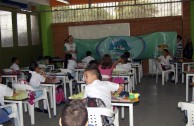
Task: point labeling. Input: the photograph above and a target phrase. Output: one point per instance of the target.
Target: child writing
(15, 62)
(70, 64)
(99, 89)
(88, 57)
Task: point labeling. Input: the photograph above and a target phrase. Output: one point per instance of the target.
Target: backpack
(60, 95)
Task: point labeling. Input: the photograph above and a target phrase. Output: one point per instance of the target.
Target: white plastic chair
(27, 87)
(14, 113)
(94, 115)
(70, 82)
(165, 73)
(189, 107)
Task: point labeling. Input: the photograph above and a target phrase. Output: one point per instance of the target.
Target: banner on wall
(140, 47)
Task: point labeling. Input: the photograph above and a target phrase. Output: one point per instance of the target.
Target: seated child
(74, 113)
(70, 64)
(106, 67)
(35, 78)
(88, 57)
(15, 62)
(5, 91)
(123, 63)
(128, 56)
(165, 60)
(99, 89)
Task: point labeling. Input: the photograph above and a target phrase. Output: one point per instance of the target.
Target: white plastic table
(183, 66)
(188, 74)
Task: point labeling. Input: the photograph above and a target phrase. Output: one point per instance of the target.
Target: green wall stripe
(46, 33)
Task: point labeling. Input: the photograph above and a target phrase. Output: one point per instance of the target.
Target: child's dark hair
(127, 54)
(88, 53)
(93, 63)
(74, 113)
(67, 57)
(166, 50)
(14, 59)
(125, 58)
(106, 62)
(32, 67)
(95, 71)
(179, 37)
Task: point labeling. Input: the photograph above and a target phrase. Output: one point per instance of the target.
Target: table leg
(187, 87)
(130, 114)
(54, 100)
(21, 113)
(182, 72)
(122, 112)
(139, 74)
(64, 86)
(51, 96)
(176, 65)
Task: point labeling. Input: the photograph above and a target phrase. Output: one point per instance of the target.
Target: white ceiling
(34, 2)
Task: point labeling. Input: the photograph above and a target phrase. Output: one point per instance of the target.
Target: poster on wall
(99, 31)
(148, 46)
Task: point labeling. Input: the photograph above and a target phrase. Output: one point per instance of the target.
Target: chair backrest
(83, 87)
(158, 65)
(23, 87)
(189, 107)
(65, 71)
(95, 113)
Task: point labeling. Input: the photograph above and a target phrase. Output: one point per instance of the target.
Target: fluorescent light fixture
(63, 1)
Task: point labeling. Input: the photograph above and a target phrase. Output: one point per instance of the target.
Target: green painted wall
(25, 53)
(46, 32)
(192, 23)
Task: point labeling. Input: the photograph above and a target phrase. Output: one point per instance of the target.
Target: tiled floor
(157, 106)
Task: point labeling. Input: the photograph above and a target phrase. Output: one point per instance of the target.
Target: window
(116, 10)
(34, 30)
(6, 29)
(22, 29)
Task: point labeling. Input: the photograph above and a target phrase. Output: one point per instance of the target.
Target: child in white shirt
(5, 91)
(99, 89)
(35, 78)
(70, 64)
(165, 59)
(88, 58)
(123, 63)
(15, 62)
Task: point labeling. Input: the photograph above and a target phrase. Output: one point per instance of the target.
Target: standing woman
(70, 47)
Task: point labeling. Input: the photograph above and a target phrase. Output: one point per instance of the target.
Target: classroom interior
(34, 28)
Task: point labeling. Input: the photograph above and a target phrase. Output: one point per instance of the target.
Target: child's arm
(119, 90)
(116, 62)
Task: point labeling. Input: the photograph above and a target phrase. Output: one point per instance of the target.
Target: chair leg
(156, 76)
(163, 75)
(122, 112)
(70, 87)
(193, 93)
(78, 87)
(48, 107)
(32, 114)
(25, 107)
